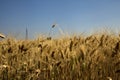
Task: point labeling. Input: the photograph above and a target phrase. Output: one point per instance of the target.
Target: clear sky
(73, 16)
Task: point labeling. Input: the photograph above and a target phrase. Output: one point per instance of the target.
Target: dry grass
(96, 57)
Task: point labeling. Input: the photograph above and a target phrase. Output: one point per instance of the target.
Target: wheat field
(95, 57)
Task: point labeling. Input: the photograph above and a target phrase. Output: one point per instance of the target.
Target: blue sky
(73, 16)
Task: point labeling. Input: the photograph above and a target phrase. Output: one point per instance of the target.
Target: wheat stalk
(109, 78)
(54, 25)
(2, 36)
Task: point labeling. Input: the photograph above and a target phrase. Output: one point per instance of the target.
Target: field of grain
(96, 57)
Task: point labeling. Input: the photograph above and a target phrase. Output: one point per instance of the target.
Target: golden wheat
(2, 36)
(70, 58)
